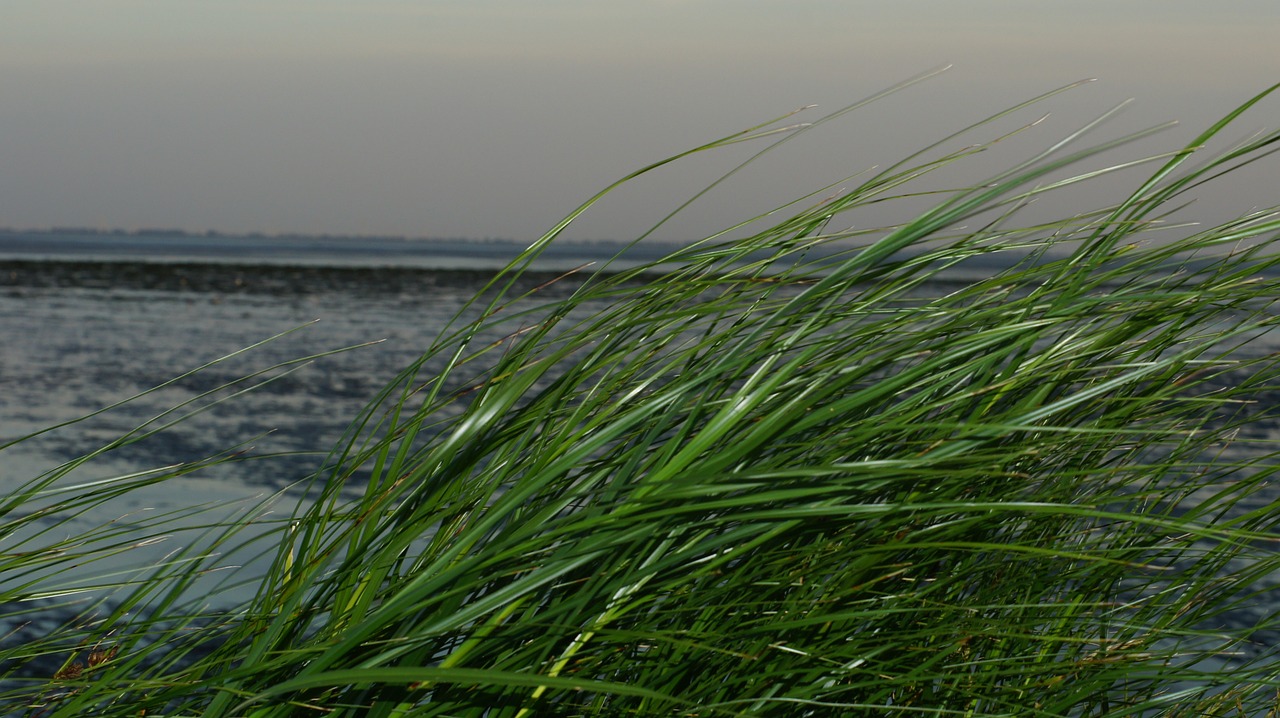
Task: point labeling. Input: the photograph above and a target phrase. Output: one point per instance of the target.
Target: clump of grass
(797, 473)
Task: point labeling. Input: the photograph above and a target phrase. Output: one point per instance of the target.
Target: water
(70, 351)
(78, 337)
(81, 337)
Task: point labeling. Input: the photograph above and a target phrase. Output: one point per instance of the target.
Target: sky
(495, 118)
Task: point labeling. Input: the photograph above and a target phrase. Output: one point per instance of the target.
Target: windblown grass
(790, 474)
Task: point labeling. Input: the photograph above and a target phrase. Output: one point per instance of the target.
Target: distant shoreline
(234, 278)
(154, 246)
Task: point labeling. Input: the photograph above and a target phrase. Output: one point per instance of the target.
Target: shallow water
(74, 351)
(81, 337)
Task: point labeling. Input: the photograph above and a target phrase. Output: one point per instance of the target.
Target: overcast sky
(497, 117)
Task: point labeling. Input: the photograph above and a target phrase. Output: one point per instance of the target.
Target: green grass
(787, 473)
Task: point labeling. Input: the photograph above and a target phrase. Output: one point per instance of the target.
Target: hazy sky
(497, 117)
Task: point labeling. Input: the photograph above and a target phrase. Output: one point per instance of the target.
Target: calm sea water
(79, 337)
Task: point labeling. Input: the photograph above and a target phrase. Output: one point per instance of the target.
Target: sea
(103, 335)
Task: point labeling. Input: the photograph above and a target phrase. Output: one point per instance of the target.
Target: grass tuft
(804, 471)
